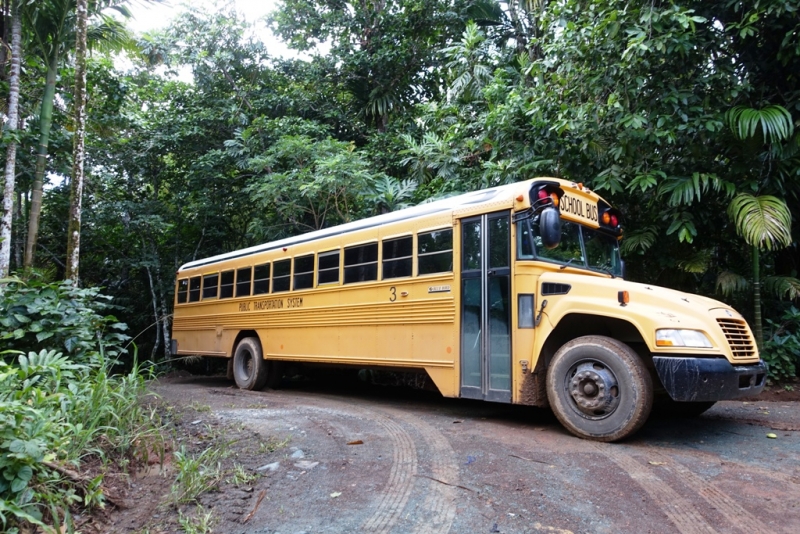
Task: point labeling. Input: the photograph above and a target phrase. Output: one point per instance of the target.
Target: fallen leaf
(335, 494)
(355, 442)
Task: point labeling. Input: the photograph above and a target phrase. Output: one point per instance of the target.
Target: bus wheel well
(240, 336)
(576, 325)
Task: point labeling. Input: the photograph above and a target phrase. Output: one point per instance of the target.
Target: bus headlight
(682, 338)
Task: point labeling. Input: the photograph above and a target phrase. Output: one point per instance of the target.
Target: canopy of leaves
(679, 112)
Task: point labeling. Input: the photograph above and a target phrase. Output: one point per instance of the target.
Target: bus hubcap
(594, 389)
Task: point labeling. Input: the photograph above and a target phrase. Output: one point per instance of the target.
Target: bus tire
(599, 388)
(249, 366)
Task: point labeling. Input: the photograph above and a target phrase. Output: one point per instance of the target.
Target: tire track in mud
(683, 514)
(734, 513)
(401, 477)
(441, 493)
(438, 504)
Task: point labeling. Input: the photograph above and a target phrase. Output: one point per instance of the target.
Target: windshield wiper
(607, 270)
(567, 264)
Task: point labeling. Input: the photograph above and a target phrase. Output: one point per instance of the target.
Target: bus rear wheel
(249, 366)
(599, 388)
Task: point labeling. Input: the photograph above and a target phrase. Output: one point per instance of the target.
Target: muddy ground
(351, 458)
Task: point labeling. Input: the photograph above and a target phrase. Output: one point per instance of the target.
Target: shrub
(36, 315)
(61, 407)
(782, 347)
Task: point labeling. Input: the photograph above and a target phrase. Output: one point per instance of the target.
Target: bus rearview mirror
(550, 227)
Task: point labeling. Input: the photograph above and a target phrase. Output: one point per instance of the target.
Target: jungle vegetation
(160, 148)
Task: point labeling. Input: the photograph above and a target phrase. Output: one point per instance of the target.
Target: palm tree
(764, 222)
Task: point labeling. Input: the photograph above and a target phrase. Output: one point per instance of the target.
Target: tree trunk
(154, 301)
(165, 317)
(11, 152)
(19, 240)
(45, 123)
(78, 152)
(757, 298)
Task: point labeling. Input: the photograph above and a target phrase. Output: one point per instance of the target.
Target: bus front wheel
(249, 366)
(599, 389)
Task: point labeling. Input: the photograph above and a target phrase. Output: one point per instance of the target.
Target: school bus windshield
(580, 246)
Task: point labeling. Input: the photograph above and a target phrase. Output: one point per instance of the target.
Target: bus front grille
(739, 337)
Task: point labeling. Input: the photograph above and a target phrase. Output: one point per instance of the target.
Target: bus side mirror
(550, 227)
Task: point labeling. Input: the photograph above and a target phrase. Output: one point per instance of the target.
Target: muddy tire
(599, 389)
(249, 367)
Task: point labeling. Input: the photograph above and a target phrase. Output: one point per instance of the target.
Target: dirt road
(392, 460)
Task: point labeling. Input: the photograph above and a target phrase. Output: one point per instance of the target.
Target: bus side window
(328, 269)
(361, 263)
(194, 289)
(281, 275)
(243, 278)
(226, 285)
(304, 272)
(261, 279)
(435, 252)
(183, 290)
(210, 285)
(397, 257)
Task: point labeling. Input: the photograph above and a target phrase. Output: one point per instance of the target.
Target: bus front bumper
(688, 379)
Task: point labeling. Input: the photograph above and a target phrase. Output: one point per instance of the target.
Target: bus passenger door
(486, 307)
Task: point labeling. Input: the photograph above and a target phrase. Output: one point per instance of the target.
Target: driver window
(524, 241)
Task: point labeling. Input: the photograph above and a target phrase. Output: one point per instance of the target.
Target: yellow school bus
(514, 294)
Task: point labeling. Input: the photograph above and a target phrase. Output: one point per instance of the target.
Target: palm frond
(783, 287)
(640, 240)
(107, 34)
(697, 263)
(775, 122)
(685, 190)
(763, 221)
(729, 283)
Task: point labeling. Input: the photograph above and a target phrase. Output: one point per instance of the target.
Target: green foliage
(775, 122)
(197, 474)
(729, 283)
(389, 194)
(311, 183)
(384, 55)
(58, 408)
(782, 346)
(763, 221)
(53, 413)
(783, 287)
(200, 523)
(35, 315)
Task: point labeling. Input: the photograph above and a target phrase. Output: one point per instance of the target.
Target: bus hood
(649, 308)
